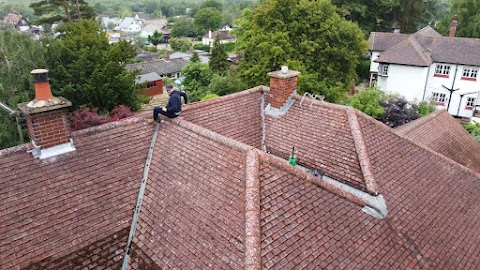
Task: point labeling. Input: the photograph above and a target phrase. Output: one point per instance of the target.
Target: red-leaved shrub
(86, 117)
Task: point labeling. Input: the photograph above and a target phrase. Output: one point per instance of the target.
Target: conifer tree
(218, 62)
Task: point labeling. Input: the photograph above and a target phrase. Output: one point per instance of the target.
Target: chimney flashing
(277, 112)
(53, 151)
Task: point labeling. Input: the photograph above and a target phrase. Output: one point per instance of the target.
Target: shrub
(474, 129)
(209, 96)
(180, 44)
(85, 117)
(398, 111)
(202, 47)
(229, 47)
(363, 69)
(425, 108)
(368, 101)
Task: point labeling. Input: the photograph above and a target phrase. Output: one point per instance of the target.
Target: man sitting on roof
(174, 106)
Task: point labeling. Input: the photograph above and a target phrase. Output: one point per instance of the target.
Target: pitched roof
(213, 199)
(160, 66)
(149, 77)
(424, 47)
(443, 134)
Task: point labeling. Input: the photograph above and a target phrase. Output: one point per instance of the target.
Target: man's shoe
(151, 122)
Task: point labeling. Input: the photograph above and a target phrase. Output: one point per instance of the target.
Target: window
(383, 69)
(152, 84)
(438, 97)
(470, 102)
(470, 73)
(442, 71)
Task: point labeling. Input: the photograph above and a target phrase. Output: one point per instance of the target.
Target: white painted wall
(374, 65)
(408, 81)
(467, 88)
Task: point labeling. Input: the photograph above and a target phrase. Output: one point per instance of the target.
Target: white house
(209, 38)
(426, 66)
(130, 24)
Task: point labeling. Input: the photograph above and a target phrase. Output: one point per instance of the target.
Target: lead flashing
(278, 112)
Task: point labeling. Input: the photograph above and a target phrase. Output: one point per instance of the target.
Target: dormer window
(442, 71)
(383, 70)
(470, 73)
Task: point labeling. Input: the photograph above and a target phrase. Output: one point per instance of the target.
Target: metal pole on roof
(16, 114)
(141, 192)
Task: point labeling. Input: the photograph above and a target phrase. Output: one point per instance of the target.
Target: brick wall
(49, 128)
(280, 90)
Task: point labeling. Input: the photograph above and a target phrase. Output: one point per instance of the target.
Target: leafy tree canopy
(227, 84)
(208, 19)
(368, 101)
(19, 55)
(308, 36)
(212, 4)
(468, 12)
(87, 70)
(156, 38)
(180, 44)
(183, 27)
(218, 62)
(50, 11)
(197, 77)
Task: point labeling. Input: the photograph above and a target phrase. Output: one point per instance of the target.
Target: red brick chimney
(453, 26)
(282, 84)
(47, 120)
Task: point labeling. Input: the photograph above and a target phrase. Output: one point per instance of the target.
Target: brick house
(212, 189)
(425, 66)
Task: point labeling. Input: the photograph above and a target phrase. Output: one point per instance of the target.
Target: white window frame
(442, 70)
(439, 97)
(470, 72)
(383, 70)
(470, 102)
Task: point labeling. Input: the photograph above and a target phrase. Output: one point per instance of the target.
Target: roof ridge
(196, 105)
(212, 135)
(280, 163)
(408, 127)
(362, 153)
(253, 243)
(322, 103)
(111, 125)
(420, 50)
(404, 137)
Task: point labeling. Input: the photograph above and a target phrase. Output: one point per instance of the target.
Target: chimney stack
(166, 56)
(283, 83)
(46, 117)
(453, 26)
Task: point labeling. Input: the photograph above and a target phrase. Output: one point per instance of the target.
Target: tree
(195, 57)
(51, 11)
(156, 38)
(308, 36)
(368, 101)
(183, 27)
(218, 62)
(197, 77)
(212, 4)
(87, 70)
(180, 44)
(208, 19)
(224, 85)
(468, 19)
(19, 55)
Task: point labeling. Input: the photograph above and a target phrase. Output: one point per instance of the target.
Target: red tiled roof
(214, 200)
(443, 134)
(50, 209)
